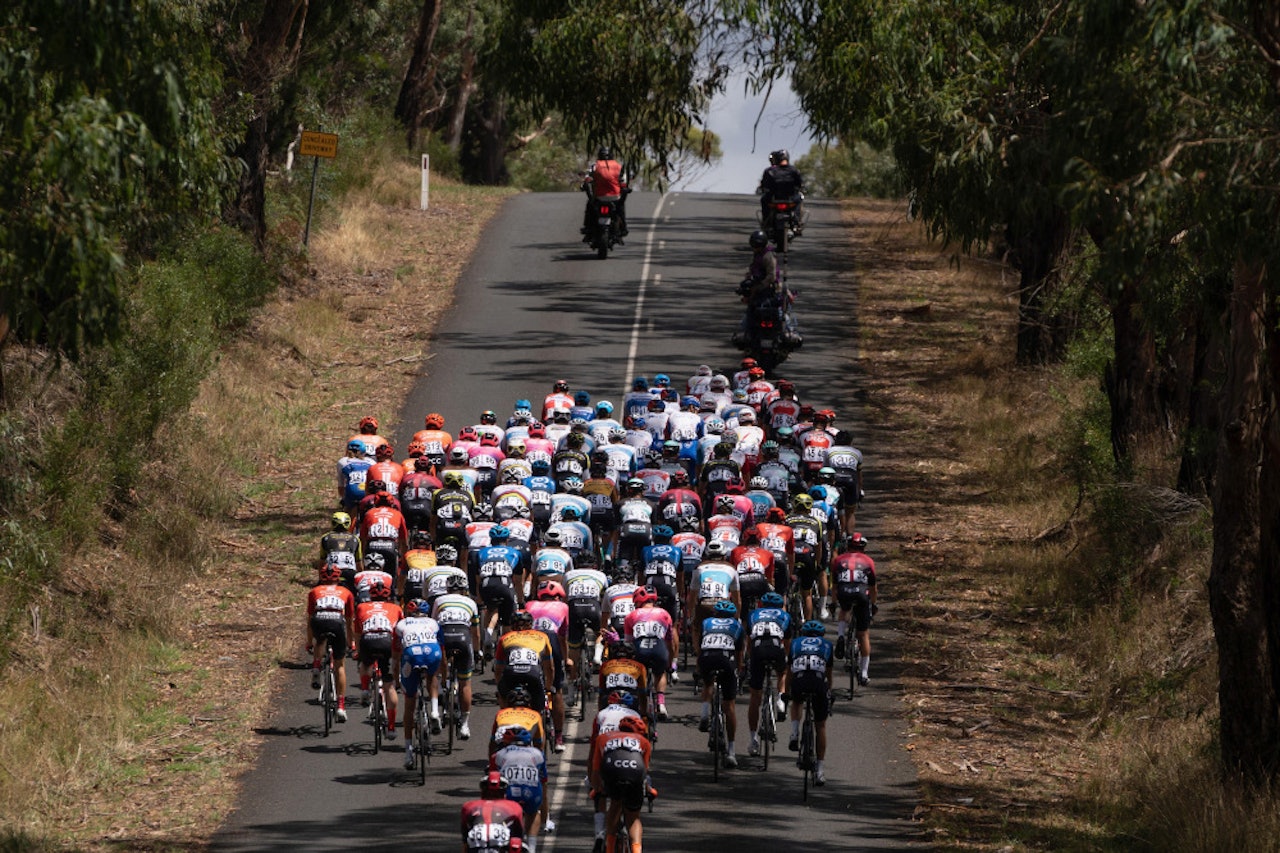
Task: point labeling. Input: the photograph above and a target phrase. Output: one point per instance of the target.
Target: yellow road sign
(317, 144)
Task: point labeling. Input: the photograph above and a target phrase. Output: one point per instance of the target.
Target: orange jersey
(331, 598)
(514, 647)
(623, 674)
(434, 442)
(375, 618)
(390, 473)
(373, 442)
(384, 525)
(612, 741)
(516, 718)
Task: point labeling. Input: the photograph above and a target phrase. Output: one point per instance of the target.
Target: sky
(731, 117)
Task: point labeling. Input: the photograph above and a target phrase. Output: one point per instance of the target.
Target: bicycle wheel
(421, 732)
(717, 732)
(452, 709)
(375, 685)
(328, 693)
(808, 748)
(768, 720)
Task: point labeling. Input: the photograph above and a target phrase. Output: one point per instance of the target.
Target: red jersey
(606, 178)
(390, 473)
(558, 400)
(330, 601)
(752, 561)
(493, 825)
(419, 486)
(783, 413)
(614, 741)
(383, 527)
(778, 538)
(377, 618)
(813, 448)
(854, 568)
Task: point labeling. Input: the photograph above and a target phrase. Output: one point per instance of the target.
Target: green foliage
(848, 171)
(109, 139)
(549, 163)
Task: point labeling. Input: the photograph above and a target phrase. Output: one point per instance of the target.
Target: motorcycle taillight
(782, 206)
(766, 324)
(604, 210)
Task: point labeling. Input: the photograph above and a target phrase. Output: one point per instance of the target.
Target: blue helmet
(582, 398)
(771, 599)
(355, 445)
(540, 466)
(569, 513)
(518, 735)
(499, 533)
(726, 608)
(523, 404)
(604, 406)
(662, 533)
(818, 493)
(661, 379)
(640, 384)
(813, 628)
(686, 402)
(622, 697)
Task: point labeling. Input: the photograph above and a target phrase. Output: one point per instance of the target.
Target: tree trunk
(486, 164)
(1196, 471)
(466, 83)
(268, 57)
(412, 105)
(1129, 378)
(1036, 251)
(1242, 572)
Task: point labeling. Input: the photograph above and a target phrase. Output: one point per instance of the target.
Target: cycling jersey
(525, 769)
(492, 825)
(516, 718)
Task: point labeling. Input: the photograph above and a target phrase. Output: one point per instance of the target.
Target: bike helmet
(454, 480)
(817, 493)
(551, 538)
(446, 555)
(680, 478)
(779, 157)
(724, 503)
(511, 476)
(644, 595)
(604, 153)
(518, 736)
(488, 440)
(756, 373)
(604, 409)
(635, 486)
(570, 513)
(747, 416)
(621, 648)
(493, 786)
(384, 451)
(714, 426)
(540, 467)
(521, 620)
(734, 486)
(575, 440)
(340, 521)
(455, 583)
(617, 434)
(725, 609)
(373, 487)
(858, 541)
(690, 403)
(368, 425)
(499, 533)
(802, 502)
(379, 591)
(716, 549)
(670, 444)
(537, 430)
(458, 455)
(825, 416)
(662, 380)
(561, 386)
(633, 726)
(417, 607)
(550, 591)
(355, 445)
(330, 573)
(435, 420)
(662, 534)
(813, 628)
(420, 539)
(784, 433)
(625, 698)
(758, 483)
(758, 239)
(723, 449)
(775, 514)
(771, 599)
(488, 417)
(422, 464)
(826, 474)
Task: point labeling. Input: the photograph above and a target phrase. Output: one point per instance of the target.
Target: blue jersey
(352, 472)
(720, 635)
(525, 769)
(662, 562)
(810, 659)
(587, 413)
(496, 564)
(769, 623)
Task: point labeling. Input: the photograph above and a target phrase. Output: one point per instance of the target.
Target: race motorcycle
(769, 331)
(602, 229)
(782, 222)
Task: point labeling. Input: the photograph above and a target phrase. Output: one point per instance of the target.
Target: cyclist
(524, 657)
(720, 654)
(775, 535)
(419, 560)
(492, 824)
(808, 548)
(417, 647)
(550, 561)
(584, 589)
(435, 442)
(488, 425)
(541, 486)
(855, 578)
(371, 573)
(416, 491)
(559, 398)
(452, 508)
(845, 460)
(621, 671)
(575, 535)
(387, 469)
(331, 621)
(618, 600)
(650, 629)
(769, 629)
(620, 704)
(714, 581)
(383, 531)
(602, 492)
(697, 384)
(484, 459)
(435, 580)
(719, 470)
(662, 563)
(499, 580)
(517, 715)
(726, 525)
(755, 566)
(570, 460)
(340, 546)
(551, 616)
(635, 515)
(524, 767)
(459, 621)
(621, 773)
(680, 507)
(810, 664)
(375, 626)
(762, 500)
(353, 472)
(780, 480)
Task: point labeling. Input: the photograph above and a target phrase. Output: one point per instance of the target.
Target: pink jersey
(646, 626)
(550, 616)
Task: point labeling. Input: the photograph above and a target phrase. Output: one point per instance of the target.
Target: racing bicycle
(422, 722)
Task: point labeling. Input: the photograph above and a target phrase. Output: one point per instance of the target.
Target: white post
(426, 181)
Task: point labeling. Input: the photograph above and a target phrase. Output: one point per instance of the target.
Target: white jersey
(585, 584)
(417, 631)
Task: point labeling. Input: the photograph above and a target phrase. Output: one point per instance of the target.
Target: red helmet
(330, 573)
(493, 786)
(824, 414)
(756, 373)
(857, 540)
(633, 725)
(561, 385)
(488, 439)
(368, 424)
(422, 463)
(537, 430)
(644, 595)
(734, 486)
(550, 591)
(384, 451)
(435, 420)
(379, 591)
(680, 478)
(786, 385)
(775, 514)
(468, 434)
(748, 363)
(374, 486)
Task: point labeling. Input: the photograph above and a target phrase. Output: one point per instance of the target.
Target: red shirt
(384, 524)
(753, 560)
(494, 823)
(606, 178)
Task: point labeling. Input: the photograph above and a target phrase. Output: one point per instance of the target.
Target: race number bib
(713, 589)
(718, 642)
(522, 656)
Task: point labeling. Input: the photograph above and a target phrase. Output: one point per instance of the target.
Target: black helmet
(780, 156)
(604, 153)
(758, 239)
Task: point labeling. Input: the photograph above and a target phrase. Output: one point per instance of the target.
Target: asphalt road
(533, 306)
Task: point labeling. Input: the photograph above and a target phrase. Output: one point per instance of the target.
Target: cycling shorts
(766, 653)
(456, 640)
(625, 777)
(808, 571)
(848, 494)
(376, 647)
(557, 658)
(814, 685)
(751, 587)
(721, 667)
(427, 655)
(582, 610)
(334, 631)
(500, 596)
(603, 520)
(854, 597)
(653, 653)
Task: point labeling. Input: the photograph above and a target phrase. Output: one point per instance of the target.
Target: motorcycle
(782, 222)
(769, 331)
(602, 228)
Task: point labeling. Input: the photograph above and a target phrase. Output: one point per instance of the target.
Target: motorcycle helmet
(758, 239)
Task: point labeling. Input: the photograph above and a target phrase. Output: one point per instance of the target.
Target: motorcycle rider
(763, 287)
(605, 182)
(782, 182)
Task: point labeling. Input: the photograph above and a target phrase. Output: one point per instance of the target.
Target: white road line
(548, 842)
(644, 282)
